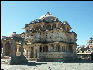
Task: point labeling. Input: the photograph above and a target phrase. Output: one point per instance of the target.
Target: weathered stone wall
(42, 26)
(53, 36)
(55, 56)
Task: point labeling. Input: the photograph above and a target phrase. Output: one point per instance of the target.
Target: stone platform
(18, 60)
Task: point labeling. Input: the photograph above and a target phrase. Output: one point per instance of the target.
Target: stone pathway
(50, 66)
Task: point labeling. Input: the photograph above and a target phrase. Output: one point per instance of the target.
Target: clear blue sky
(15, 14)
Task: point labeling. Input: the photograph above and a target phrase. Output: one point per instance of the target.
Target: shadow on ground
(35, 63)
(79, 61)
(32, 63)
(74, 61)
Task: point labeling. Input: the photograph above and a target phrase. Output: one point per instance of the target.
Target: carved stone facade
(86, 51)
(47, 39)
(88, 48)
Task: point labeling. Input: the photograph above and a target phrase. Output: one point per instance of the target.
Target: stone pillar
(54, 48)
(3, 53)
(63, 49)
(38, 52)
(34, 52)
(2, 50)
(74, 49)
(42, 49)
(17, 52)
(67, 48)
(57, 25)
(13, 48)
(60, 48)
(17, 48)
(25, 52)
(49, 48)
(21, 48)
(51, 26)
(29, 53)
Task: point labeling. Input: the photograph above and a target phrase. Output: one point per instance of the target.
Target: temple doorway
(32, 52)
(8, 49)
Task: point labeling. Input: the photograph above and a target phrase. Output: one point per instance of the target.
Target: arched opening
(70, 48)
(7, 49)
(54, 25)
(32, 52)
(58, 48)
(68, 29)
(43, 49)
(40, 49)
(92, 56)
(46, 49)
(49, 26)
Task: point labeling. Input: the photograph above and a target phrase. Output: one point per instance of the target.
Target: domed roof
(48, 17)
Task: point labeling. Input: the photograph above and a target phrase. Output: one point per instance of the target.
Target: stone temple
(44, 39)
